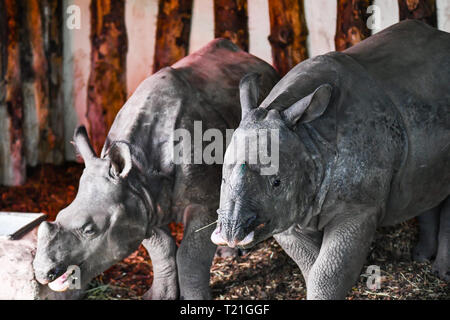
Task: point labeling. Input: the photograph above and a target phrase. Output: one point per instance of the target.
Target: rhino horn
(249, 92)
(83, 145)
(45, 230)
(310, 107)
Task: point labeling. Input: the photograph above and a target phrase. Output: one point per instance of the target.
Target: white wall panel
(202, 24)
(76, 68)
(388, 13)
(321, 21)
(443, 14)
(140, 20)
(259, 29)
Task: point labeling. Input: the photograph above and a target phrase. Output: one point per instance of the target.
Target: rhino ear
(83, 145)
(120, 155)
(249, 92)
(310, 107)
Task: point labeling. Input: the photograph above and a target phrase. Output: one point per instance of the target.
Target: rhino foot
(426, 248)
(441, 266)
(424, 251)
(441, 269)
(161, 291)
(162, 249)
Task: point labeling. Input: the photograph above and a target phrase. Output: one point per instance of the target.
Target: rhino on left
(129, 194)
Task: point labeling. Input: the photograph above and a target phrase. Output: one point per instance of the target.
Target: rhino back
(410, 61)
(214, 72)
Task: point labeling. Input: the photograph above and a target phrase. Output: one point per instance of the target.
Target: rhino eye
(276, 183)
(89, 230)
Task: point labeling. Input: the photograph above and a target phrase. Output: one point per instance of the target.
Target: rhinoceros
(129, 194)
(363, 141)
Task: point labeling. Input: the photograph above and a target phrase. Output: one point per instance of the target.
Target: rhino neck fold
(323, 154)
(139, 183)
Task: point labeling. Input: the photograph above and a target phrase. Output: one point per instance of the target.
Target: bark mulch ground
(265, 272)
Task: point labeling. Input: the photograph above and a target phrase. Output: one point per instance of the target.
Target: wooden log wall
(288, 33)
(172, 32)
(31, 43)
(231, 21)
(107, 81)
(351, 26)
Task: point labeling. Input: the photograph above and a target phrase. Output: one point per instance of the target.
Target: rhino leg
(195, 254)
(426, 248)
(441, 265)
(162, 250)
(344, 249)
(302, 246)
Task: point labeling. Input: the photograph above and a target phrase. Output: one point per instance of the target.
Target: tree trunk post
(231, 21)
(12, 151)
(172, 32)
(54, 52)
(288, 32)
(43, 28)
(423, 10)
(107, 80)
(351, 24)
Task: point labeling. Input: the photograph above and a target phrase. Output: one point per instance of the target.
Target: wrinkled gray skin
(364, 142)
(131, 193)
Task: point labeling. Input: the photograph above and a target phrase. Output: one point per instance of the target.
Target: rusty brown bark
(231, 21)
(3, 45)
(172, 32)
(351, 24)
(424, 10)
(12, 151)
(44, 33)
(54, 52)
(107, 80)
(288, 33)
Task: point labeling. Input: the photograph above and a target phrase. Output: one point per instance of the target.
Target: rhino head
(105, 223)
(255, 206)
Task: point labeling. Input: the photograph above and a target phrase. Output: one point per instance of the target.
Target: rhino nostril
(51, 275)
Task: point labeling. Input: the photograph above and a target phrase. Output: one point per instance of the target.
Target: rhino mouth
(217, 239)
(62, 283)
(64, 280)
(251, 238)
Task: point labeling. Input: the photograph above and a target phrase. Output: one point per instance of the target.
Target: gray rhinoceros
(364, 141)
(129, 194)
